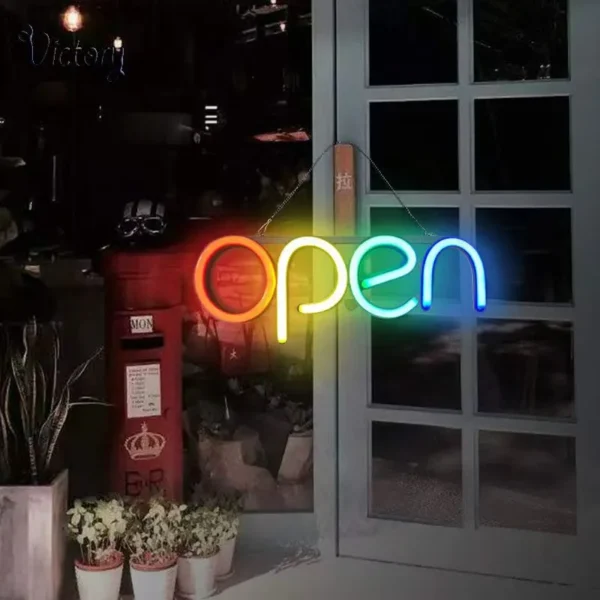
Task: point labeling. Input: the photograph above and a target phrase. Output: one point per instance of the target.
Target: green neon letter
(357, 287)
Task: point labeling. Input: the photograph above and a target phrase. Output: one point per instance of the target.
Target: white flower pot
(225, 559)
(153, 583)
(98, 583)
(196, 577)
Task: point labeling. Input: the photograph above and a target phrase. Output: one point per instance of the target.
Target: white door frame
(523, 554)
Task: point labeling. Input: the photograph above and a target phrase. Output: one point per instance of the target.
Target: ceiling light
(72, 19)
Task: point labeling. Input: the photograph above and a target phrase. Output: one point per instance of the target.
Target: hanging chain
(263, 228)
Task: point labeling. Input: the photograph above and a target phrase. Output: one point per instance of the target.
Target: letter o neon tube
(204, 263)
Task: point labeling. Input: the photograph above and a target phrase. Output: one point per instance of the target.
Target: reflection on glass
(527, 253)
(527, 482)
(522, 144)
(248, 399)
(412, 42)
(415, 361)
(416, 474)
(443, 222)
(516, 40)
(526, 367)
(415, 144)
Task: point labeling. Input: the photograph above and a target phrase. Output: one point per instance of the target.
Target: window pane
(248, 399)
(415, 144)
(527, 482)
(527, 253)
(416, 474)
(516, 40)
(415, 361)
(412, 42)
(522, 144)
(442, 222)
(526, 367)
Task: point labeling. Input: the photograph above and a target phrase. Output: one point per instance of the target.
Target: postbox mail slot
(144, 342)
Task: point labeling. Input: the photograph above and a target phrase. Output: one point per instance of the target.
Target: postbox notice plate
(141, 324)
(143, 390)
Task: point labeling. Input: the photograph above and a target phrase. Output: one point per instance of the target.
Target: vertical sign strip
(345, 190)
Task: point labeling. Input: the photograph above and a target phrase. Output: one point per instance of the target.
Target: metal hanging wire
(288, 198)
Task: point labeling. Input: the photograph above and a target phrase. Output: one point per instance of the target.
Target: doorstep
(297, 572)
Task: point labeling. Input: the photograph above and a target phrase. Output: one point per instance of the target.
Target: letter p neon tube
(282, 282)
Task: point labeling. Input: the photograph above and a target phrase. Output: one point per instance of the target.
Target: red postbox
(144, 357)
(148, 295)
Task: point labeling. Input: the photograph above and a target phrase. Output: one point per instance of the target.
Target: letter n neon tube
(476, 264)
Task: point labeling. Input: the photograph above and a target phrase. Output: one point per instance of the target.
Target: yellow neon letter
(282, 282)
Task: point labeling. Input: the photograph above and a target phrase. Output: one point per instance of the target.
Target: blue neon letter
(476, 263)
(357, 287)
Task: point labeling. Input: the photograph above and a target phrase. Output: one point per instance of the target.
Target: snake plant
(34, 406)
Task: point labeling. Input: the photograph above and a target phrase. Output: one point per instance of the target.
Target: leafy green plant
(154, 533)
(34, 406)
(202, 530)
(98, 526)
(228, 507)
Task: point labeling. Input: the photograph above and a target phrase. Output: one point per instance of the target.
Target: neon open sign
(276, 277)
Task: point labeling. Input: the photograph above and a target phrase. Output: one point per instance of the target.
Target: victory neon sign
(277, 277)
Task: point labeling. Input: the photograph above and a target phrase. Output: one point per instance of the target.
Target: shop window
(522, 144)
(416, 473)
(526, 368)
(518, 41)
(415, 144)
(412, 42)
(527, 252)
(396, 221)
(248, 398)
(527, 482)
(415, 361)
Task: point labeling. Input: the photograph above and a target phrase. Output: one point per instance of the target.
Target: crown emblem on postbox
(145, 445)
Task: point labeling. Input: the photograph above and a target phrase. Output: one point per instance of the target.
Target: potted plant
(34, 407)
(230, 514)
(153, 538)
(201, 533)
(228, 508)
(298, 455)
(98, 526)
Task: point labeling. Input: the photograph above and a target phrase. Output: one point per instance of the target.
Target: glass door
(470, 441)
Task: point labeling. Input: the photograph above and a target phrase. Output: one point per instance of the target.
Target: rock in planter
(232, 464)
(32, 540)
(297, 459)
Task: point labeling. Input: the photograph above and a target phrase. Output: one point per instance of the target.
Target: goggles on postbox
(142, 218)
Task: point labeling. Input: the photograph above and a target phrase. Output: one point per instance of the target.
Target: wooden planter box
(33, 540)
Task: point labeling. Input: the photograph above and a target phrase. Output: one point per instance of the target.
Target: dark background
(180, 56)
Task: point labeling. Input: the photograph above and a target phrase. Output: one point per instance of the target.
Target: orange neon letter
(203, 266)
